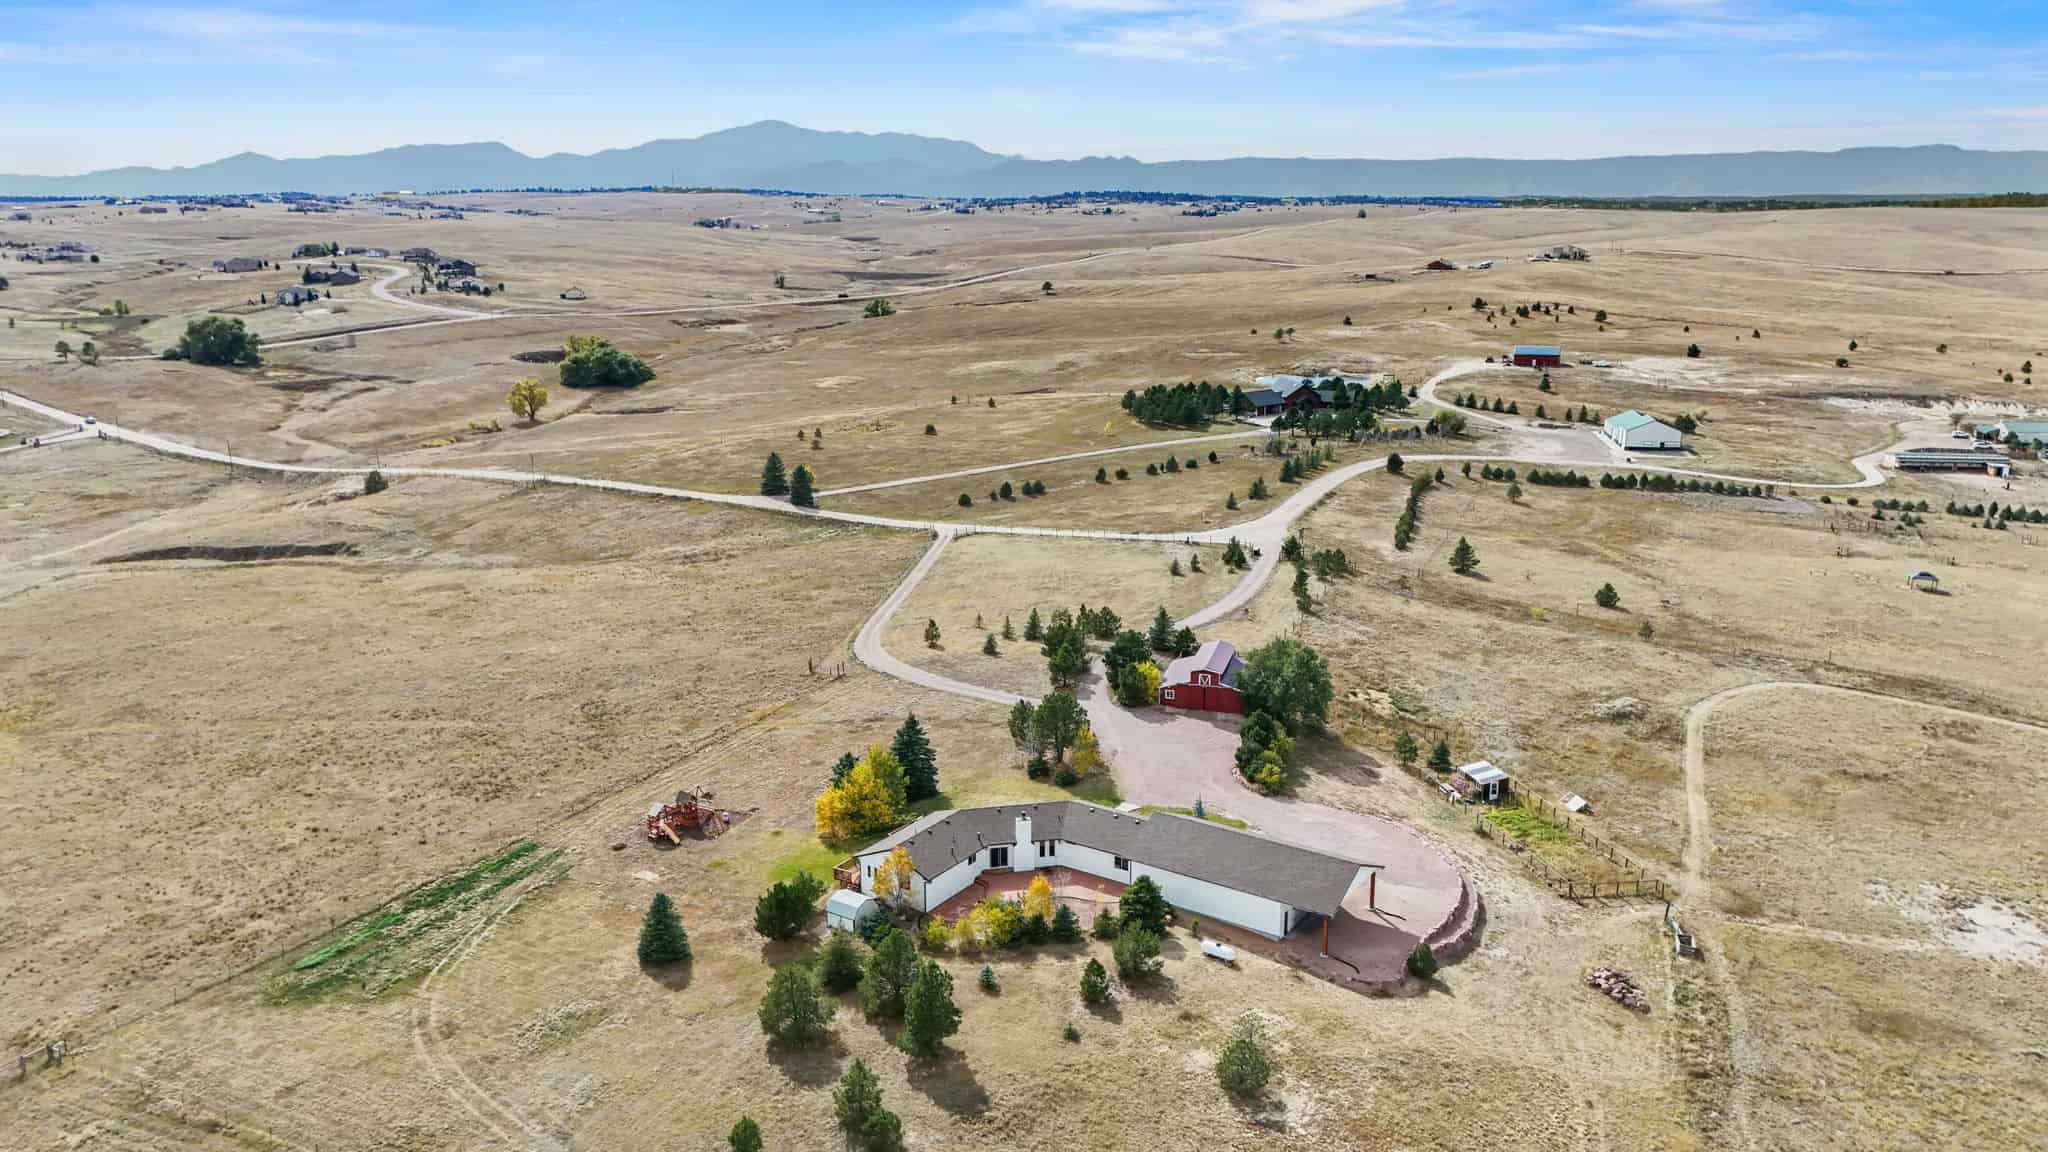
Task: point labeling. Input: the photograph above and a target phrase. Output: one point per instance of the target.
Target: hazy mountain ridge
(772, 154)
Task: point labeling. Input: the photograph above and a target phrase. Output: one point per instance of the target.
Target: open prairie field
(321, 818)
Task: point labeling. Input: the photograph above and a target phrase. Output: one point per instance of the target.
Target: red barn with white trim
(1206, 681)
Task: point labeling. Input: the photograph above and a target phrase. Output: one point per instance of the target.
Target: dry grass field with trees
(322, 818)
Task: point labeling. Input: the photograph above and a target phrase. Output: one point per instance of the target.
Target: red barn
(1206, 681)
(1536, 356)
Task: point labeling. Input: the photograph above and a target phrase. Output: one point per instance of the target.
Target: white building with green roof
(1640, 431)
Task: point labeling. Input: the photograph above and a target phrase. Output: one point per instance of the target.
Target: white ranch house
(1212, 871)
(1641, 431)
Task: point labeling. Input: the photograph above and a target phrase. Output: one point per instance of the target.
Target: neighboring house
(1536, 356)
(2025, 431)
(451, 269)
(238, 264)
(1284, 393)
(1480, 780)
(1214, 872)
(1640, 431)
(1953, 460)
(1206, 681)
(1441, 265)
(373, 253)
(340, 277)
(153, 210)
(418, 255)
(294, 296)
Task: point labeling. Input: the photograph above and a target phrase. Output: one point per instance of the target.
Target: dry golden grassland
(284, 741)
(208, 763)
(994, 577)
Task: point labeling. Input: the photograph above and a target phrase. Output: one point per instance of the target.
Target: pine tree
(800, 493)
(892, 965)
(1008, 633)
(988, 646)
(1231, 503)
(841, 767)
(774, 482)
(1394, 463)
(1173, 566)
(1094, 982)
(1160, 636)
(662, 939)
(929, 1014)
(1034, 630)
(1066, 927)
(1440, 756)
(1302, 600)
(745, 1136)
(839, 962)
(856, 1101)
(1405, 749)
(1142, 905)
(1243, 1067)
(931, 633)
(1607, 597)
(792, 1014)
(1464, 558)
(920, 763)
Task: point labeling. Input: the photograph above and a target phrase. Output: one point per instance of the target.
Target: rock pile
(1618, 987)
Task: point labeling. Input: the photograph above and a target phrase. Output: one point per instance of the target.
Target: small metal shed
(1485, 781)
(849, 909)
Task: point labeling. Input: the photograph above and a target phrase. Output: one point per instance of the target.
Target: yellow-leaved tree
(892, 878)
(867, 801)
(966, 934)
(1087, 754)
(1038, 898)
(1150, 672)
(527, 398)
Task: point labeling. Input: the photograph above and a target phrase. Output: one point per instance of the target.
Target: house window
(999, 857)
(1048, 847)
(1122, 865)
(974, 856)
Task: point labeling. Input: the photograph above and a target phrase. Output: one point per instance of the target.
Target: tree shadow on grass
(674, 977)
(1159, 988)
(811, 1067)
(801, 947)
(948, 1082)
(1109, 1011)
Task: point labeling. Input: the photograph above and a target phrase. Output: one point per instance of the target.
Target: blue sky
(91, 85)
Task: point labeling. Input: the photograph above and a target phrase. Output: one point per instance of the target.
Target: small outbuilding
(1481, 781)
(851, 909)
(1640, 431)
(1206, 681)
(1924, 581)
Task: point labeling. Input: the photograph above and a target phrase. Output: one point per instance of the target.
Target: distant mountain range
(772, 154)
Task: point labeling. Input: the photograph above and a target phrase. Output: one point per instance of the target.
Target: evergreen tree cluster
(1566, 479)
(1411, 515)
(1472, 400)
(1992, 513)
(1235, 558)
(1353, 409)
(1666, 482)
(1301, 465)
(1185, 405)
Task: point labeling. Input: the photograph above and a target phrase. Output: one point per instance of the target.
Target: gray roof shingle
(1245, 861)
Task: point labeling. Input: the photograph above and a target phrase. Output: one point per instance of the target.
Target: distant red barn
(1536, 356)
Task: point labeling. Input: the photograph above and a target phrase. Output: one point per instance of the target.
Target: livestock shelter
(1953, 460)
(1536, 356)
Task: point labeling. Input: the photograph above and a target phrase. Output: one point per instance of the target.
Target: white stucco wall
(1268, 918)
(952, 881)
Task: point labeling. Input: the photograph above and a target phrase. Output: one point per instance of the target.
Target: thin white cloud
(242, 25)
(1512, 70)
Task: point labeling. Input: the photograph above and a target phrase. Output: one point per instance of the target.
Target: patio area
(1084, 893)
